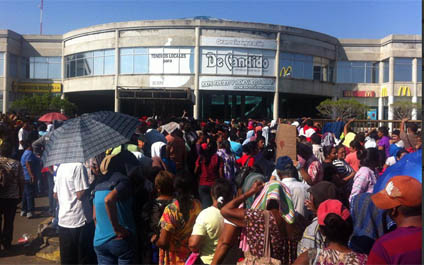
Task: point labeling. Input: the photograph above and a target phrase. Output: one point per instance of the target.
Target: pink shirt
(353, 161)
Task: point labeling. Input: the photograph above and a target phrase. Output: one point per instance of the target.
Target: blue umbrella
(409, 165)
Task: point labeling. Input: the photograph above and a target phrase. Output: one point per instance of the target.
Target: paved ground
(21, 254)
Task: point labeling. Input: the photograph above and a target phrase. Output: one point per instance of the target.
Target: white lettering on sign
(235, 83)
(238, 42)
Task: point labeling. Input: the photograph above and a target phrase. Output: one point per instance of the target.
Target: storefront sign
(238, 42)
(404, 91)
(37, 87)
(359, 94)
(372, 114)
(237, 83)
(384, 92)
(170, 61)
(169, 81)
(238, 62)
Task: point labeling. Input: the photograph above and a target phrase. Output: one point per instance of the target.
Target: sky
(339, 18)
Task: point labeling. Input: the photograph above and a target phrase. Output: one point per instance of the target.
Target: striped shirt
(402, 246)
(363, 181)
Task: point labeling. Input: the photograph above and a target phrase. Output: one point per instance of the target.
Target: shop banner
(170, 61)
(286, 141)
(237, 61)
(238, 42)
(237, 83)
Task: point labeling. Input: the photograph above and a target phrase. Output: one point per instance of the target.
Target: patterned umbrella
(82, 138)
(53, 116)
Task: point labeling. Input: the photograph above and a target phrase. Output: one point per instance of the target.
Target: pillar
(5, 73)
(390, 90)
(414, 86)
(116, 97)
(277, 80)
(196, 104)
(381, 99)
(380, 108)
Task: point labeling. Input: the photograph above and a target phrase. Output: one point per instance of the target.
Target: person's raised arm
(232, 213)
(402, 125)
(346, 127)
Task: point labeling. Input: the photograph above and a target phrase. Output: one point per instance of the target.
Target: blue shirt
(28, 156)
(104, 230)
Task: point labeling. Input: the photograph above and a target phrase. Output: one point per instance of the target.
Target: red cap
(399, 191)
(202, 124)
(250, 127)
(204, 146)
(331, 206)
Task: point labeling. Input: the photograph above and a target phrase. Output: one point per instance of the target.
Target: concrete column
(116, 97)
(277, 80)
(196, 106)
(390, 90)
(414, 86)
(5, 73)
(380, 108)
(381, 72)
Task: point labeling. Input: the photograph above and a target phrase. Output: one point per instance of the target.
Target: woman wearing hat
(336, 225)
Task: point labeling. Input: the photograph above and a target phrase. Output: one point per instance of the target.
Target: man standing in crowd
(23, 135)
(76, 227)
(402, 199)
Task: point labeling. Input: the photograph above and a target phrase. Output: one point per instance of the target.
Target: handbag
(242, 174)
(266, 259)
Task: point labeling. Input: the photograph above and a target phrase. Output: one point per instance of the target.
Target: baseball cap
(332, 206)
(399, 191)
(283, 162)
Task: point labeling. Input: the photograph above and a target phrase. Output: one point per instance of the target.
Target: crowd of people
(183, 191)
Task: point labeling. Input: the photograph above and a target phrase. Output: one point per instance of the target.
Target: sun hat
(331, 206)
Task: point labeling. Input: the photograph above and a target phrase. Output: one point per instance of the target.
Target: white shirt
(299, 194)
(370, 143)
(71, 178)
(390, 161)
(22, 136)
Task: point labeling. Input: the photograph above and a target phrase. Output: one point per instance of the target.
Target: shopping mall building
(211, 68)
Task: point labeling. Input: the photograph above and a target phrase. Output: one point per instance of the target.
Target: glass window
(386, 72)
(1, 63)
(296, 66)
(403, 69)
(101, 62)
(44, 67)
(13, 65)
(170, 60)
(357, 72)
(419, 70)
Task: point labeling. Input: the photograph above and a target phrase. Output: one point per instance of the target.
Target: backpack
(242, 174)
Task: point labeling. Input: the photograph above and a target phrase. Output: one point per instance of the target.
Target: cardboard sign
(286, 141)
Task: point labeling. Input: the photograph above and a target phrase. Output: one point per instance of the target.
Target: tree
(342, 108)
(403, 109)
(40, 104)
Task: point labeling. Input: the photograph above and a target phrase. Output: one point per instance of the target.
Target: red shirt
(210, 172)
(242, 160)
(401, 246)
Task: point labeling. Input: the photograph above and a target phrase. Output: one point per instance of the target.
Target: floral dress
(328, 256)
(172, 221)
(281, 248)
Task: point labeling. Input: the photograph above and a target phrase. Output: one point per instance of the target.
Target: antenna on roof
(41, 18)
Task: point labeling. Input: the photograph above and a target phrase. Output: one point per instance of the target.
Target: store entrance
(235, 105)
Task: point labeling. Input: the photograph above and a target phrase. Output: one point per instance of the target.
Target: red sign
(359, 94)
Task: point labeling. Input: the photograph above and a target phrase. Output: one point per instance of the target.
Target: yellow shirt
(209, 224)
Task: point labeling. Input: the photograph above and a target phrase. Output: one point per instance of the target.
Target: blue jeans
(116, 251)
(205, 196)
(28, 197)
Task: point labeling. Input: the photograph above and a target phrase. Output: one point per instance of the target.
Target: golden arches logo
(285, 71)
(404, 91)
(384, 92)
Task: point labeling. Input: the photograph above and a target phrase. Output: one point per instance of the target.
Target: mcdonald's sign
(383, 92)
(359, 94)
(404, 91)
(285, 71)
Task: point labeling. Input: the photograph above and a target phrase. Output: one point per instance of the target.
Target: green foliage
(403, 109)
(342, 108)
(39, 104)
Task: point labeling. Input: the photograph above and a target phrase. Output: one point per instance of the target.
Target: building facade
(210, 68)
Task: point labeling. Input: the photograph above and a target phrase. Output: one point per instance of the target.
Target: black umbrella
(82, 138)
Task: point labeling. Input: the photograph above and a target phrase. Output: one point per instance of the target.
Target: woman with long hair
(177, 223)
(366, 177)
(209, 166)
